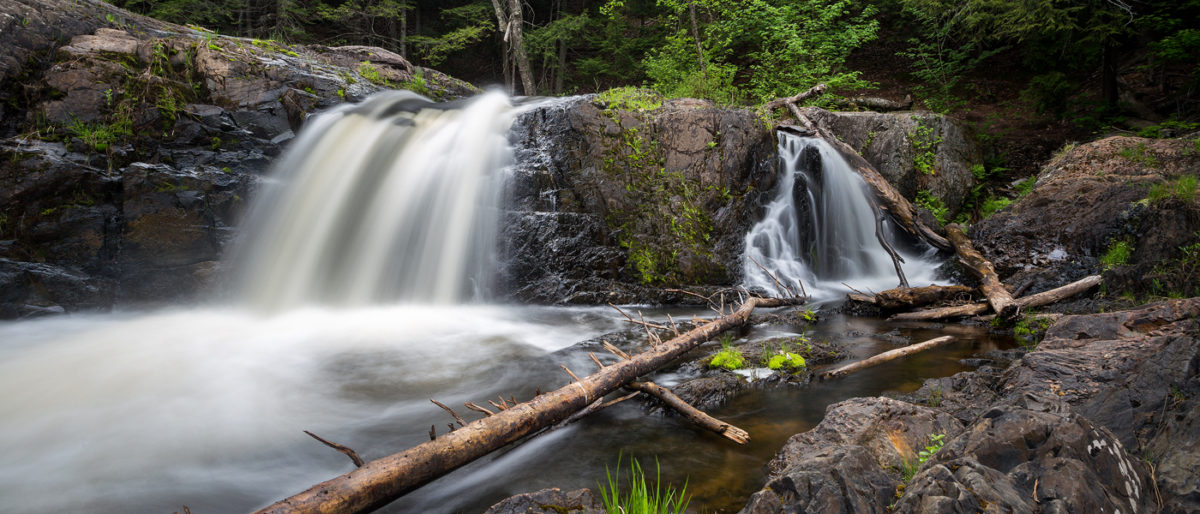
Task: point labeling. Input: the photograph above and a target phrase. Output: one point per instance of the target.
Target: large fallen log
(380, 481)
(913, 297)
(887, 356)
(989, 283)
(1025, 302)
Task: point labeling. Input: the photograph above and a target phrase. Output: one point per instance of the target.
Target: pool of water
(205, 407)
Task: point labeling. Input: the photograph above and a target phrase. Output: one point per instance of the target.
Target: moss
(1139, 154)
(630, 98)
(786, 361)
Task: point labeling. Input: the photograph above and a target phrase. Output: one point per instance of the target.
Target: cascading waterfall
(393, 199)
(820, 229)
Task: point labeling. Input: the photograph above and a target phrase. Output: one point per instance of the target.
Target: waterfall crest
(393, 199)
(819, 229)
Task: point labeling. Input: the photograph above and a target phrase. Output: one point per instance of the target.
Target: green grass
(1118, 254)
(1183, 188)
(641, 497)
(993, 205)
(1139, 154)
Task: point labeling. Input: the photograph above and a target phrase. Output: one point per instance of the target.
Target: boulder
(1097, 194)
(850, 462)
(550, 501)
(1031, 455)
(913, 151)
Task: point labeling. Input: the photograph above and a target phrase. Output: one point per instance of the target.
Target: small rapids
(819, 230)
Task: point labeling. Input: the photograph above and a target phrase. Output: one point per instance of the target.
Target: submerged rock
(550, 501)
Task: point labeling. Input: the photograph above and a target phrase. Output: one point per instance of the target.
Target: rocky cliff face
(130, 146)
(616, 199)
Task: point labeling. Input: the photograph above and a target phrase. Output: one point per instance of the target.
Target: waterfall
(819, 229)
(393, 199)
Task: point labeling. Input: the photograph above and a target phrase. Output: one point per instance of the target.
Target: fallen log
(887, 356)
(997, 295)
(782, 102)
(913, 297)
(696, 416)
(380, 481)
(875, 103)
(1025, 302)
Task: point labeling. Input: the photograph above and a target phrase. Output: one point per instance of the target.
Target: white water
(377, 204)
(839, 246)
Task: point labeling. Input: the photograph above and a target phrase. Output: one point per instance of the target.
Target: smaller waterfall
(393, 199)
(819, 229)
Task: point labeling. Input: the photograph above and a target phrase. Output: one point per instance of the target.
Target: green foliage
(274, 46)
(1025, 186)
(1139, 154)
(993, 205)
(1030, 329)
(465, 25)
(1178, 276)
(1118, 254)
(933, 204)
(1169, 128)
(729, 357)
(936, 441)
(809, 316)
(1182, 188)
(630, 98)
(924, 144)
(939, 59)
(1048, 93)
(786, 360)
(98, 136)
(418, 85)
(642, 497)
(368, 71)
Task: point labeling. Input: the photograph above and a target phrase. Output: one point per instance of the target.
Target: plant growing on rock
(729, 357)
(1118, 254)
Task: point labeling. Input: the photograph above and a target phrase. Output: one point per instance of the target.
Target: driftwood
(345, 450)
(693, 414)
(887, 356)
(783, 102)
(913, 297)
(380, 481)
(989, 283)
(1025, 302)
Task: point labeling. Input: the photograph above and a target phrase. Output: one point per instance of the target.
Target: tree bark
(380, 481)
(693, 414)
(998, 297)
(696, 38)
(913, 297)
(887, 356)
(1025, 302)
(516, 26)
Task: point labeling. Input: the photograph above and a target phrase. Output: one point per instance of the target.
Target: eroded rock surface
(1096, 194)
(550, 501)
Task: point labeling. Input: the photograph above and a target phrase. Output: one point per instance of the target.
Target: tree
(510, 20)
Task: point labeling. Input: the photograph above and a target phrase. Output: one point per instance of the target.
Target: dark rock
(839, 466)
(1031, 455)
(963, 395)
(710, 391)
(549, 501)
(575, 156)
(891, 142)
(1094, 192)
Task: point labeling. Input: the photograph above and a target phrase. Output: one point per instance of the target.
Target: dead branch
(568, 370)
(896, 258)
(693, 414)
(358, 462)
(887, 356)
(380, 481)
(1025, 302)
(781, 102)
(479, 409)
(457, 418)
(998, 296)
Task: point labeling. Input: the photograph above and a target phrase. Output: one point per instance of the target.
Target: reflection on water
(205, 408)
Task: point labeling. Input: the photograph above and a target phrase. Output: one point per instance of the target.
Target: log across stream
(217, 401)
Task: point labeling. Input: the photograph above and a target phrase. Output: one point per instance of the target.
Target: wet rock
(550, 501)
(576, 156)
(840, 465)
(1095, 192)
(963, 395)
(1031, 455)
(894, 142)
(710, 391)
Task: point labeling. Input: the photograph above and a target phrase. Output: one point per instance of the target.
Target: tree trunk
(998, 297)
(887, 356)
(1025, 302)
(696, 38)
(913, 297)
(404, 29)
(1108, 76)
(516, 28)
(380, 481)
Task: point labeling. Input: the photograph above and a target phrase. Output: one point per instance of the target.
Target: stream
(205, 407)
